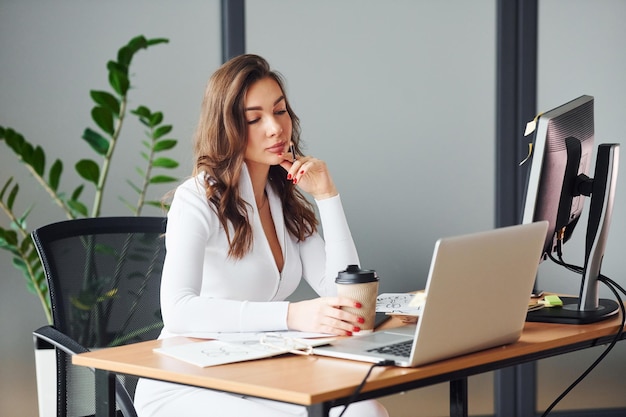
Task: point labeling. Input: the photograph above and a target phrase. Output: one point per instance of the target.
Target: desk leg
(105, 393)
(458, 397)
(318, 410)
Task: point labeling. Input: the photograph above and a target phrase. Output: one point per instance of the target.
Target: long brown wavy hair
(219, 146)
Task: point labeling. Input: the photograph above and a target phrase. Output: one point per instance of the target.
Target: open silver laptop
(477, 296)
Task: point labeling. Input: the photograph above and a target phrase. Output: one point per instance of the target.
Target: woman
(240, 236)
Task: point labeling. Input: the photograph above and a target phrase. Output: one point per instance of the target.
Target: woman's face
(269, 123)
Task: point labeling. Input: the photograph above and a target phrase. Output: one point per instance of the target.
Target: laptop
(477, 295)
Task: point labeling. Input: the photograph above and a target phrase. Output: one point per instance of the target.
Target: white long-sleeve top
(203, 290)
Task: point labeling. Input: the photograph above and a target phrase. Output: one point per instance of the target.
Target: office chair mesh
(104, 278)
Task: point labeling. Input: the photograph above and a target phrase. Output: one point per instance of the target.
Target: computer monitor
(558, 182)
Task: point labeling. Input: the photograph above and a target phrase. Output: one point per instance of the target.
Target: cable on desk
(358, 389)
(611, 285)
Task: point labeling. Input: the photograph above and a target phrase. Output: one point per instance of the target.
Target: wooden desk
(320, 383)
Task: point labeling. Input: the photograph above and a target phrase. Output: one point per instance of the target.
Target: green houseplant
(109, 115)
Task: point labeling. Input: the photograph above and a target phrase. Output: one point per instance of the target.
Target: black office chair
(104, 277)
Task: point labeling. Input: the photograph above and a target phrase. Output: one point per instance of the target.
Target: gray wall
(398, 97)
(390, 113)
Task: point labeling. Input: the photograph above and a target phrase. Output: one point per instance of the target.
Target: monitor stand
(569, 313)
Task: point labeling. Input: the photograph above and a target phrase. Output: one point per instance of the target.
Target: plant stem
(68, 212)
(146, 179)
(107, 161)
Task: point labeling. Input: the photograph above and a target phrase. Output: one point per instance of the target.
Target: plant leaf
(155, 41)
(162, 131)
(89, 170)
(22, 219)
(119, 81)
(115, 66)
(78, 207)
(33, 258)
(30, 286)
(38, 161)
(165, 144)
(133, 186)
(129, 206)
(12, 195)
(159, 179)
(18, 263)
(156, 119)
(124, 56)
(55, 174)
(14, 140)
(5, 187)
(144, 115)
(26, 152)
(141, 111)
(106, 100)
(137, 43)
(164, 163)
(103, 118)
(77, 192)
(155, 203)
(26, 244)
(97, 142)
(8, 237)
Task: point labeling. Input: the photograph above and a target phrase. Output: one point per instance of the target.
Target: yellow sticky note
(552, 301)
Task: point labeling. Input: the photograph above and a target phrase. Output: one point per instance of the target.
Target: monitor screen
(562, 151)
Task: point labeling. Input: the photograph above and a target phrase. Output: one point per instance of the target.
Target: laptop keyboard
(396, 349)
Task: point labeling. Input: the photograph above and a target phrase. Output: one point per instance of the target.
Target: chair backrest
(104, 277)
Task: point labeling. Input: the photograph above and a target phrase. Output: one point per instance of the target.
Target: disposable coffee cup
(360, 285)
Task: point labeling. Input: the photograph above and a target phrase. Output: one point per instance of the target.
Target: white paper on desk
(400, 303)
(254, 336)
(219, 352)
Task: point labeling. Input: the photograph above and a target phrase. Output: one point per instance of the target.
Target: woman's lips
(278, 148)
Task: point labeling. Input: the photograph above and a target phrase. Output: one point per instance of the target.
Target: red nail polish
(348, 333)
(356, 329)
(288, 176)
(302, 172)
(358, 305)
(361, 320)
(295, 180)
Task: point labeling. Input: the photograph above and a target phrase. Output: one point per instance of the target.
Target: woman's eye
(253, 121)
(279, 112)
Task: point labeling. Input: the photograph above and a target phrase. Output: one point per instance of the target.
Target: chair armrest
(66, 344)
(59, 340)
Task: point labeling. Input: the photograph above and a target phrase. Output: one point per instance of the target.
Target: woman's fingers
(324, 315)
(311, 175)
